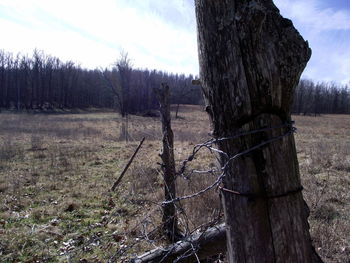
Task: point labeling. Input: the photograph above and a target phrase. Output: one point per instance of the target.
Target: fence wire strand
(147, 233)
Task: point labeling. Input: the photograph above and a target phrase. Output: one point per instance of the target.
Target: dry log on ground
(198, 246)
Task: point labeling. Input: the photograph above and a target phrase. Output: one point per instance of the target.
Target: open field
(56, 172)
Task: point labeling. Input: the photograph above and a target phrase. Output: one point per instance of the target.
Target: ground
(56, 172)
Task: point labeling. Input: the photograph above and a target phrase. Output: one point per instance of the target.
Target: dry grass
(55, 172)
(323, 145)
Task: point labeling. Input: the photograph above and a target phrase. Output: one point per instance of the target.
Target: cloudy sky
(159, 34)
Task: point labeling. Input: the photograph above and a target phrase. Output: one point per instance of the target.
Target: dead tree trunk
(169, 210)
(124, 129)
(251, 59)
(177, 110)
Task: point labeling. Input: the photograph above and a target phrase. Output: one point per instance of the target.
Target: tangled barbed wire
(147, 231)
(228, 159)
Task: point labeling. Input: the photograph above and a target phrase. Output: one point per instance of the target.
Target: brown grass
(56, 171)
(323, 145)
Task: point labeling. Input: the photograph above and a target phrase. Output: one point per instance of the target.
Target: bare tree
(124, 68)
(251, 59)
(118, 81)
(184, 92)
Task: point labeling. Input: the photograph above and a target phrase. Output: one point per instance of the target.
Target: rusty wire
(220, 173)
(229, 159)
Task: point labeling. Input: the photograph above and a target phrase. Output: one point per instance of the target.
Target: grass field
(56, 171)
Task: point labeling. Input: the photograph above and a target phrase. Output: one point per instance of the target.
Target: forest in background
(44, 82)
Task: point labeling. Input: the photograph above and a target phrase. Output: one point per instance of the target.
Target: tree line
(44, 82)
(321, 98)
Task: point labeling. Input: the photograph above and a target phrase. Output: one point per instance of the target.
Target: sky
(159, 34)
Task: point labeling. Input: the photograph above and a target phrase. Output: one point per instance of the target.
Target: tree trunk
(251, 59)
(124, 129)
(169, 210)
(177, 110)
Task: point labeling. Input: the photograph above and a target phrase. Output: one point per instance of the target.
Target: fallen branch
(196, 247)
(127, 166)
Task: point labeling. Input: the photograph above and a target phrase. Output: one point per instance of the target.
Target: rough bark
(208, 243)
(169, 210)
(251, 59)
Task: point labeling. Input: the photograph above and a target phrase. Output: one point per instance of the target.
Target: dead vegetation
(56, 172)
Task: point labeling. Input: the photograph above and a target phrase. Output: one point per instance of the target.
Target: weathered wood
(208, 243)
(251, 59)
(116, 183)
(169, 173)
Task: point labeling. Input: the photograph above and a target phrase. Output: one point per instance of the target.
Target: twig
(127, 165)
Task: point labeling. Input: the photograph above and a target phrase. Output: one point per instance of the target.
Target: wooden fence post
(251, 59)
(169, 209)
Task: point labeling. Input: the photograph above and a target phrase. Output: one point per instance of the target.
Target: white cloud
(94, 32)
(328, 32)
(156, 33)
(311, 15)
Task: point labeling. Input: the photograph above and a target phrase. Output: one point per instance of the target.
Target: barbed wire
(229, 159)
(212, 141)
(148, 230)
(220, 173)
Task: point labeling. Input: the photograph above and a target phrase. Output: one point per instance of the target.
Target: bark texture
(208, 243)
(251, 59)
(169, 210)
